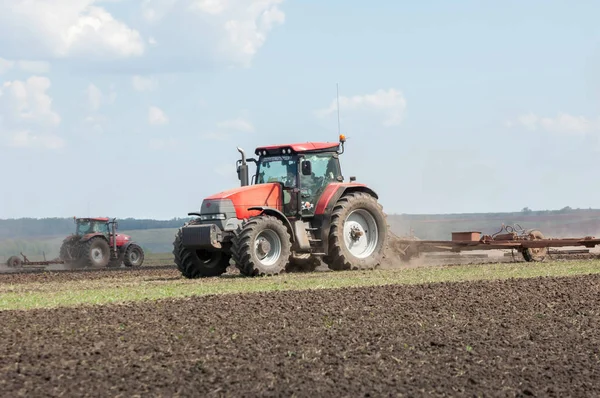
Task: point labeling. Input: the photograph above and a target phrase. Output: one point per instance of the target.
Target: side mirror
(238, 173)
(352, 178)
(306, 168)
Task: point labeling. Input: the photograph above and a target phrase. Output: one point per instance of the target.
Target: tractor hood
(268, 195)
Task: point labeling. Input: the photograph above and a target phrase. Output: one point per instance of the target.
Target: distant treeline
(425, 226)
(47, 227)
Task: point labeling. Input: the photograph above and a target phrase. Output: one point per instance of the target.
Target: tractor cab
(85, 226)
(303, 170)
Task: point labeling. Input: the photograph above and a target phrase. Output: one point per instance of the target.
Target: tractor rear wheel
(262, 247)
(358, 234)
(95, 252)
(198, 263)
(14, 261)
(134, 256)
(537, 254)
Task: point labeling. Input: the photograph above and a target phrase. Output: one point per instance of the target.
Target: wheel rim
(360, 233)
(97, 255)
(134, 256)
(267, 247)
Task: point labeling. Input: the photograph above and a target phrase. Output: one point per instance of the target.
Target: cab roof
(102, 219)
(296, 148)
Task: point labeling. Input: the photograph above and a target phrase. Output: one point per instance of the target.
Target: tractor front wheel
(95, 252)
(263, 247)
(358, 234)
(134, 256)
(199, 263)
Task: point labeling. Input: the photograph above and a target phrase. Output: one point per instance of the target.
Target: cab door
(317, 171)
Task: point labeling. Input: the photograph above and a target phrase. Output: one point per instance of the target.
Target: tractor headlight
(206, 217)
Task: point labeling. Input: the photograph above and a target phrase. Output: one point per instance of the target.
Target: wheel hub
(97, 254)
(264, 247)
(355, 233)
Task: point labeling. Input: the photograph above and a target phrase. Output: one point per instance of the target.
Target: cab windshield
(91, 227)
(282, 169)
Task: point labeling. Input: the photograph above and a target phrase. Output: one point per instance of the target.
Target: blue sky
(135, 108)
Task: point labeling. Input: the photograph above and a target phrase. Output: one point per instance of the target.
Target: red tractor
(94, 245)
(295, 211)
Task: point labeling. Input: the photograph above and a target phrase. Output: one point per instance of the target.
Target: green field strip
(74, 293)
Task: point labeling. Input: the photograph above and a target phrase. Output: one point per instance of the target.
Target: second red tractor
(96, 243)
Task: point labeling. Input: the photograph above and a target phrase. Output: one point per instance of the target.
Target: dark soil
(528, 337)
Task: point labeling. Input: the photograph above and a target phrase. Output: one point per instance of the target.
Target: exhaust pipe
(242, 169)
(114, 233)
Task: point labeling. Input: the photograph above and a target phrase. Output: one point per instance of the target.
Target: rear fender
(87, 237)
(278, 214)
(327, 202)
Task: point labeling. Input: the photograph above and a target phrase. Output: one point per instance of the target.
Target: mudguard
(275, 213)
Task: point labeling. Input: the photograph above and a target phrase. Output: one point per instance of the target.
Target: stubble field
(507, 329)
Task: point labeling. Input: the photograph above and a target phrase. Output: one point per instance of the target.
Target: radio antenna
(338, 105)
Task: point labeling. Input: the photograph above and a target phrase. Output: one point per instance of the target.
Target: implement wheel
(262, 247)
(14, 262)
(198, 263)
(535, 254)
(358, 235)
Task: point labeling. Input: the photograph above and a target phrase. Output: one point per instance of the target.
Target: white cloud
(27, 118)
(232, 29)
(156, 116)
(236, 125)
(67, 28)
(96, 98)
(141, 83)
(390, 104)
(562, 123)
(155, 10)
(210, 6)
(35, 67)
(25, 139)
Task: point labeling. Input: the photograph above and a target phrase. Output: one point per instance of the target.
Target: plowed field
(516, 337)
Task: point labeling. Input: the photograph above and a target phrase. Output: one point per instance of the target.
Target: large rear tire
(198, 263)
(535, 254)
(262, 247)
(358, 234)
(134, 256)
(95, 252)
